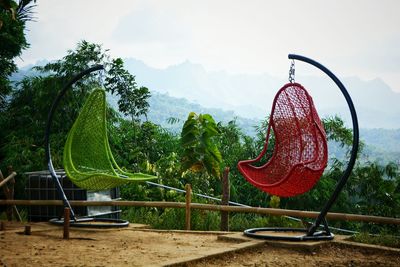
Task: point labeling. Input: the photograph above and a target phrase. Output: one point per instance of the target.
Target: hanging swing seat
(87, 159)
(300, 151)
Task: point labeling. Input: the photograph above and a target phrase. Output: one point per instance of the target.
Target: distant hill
(382, 145)
(27, 71)
(164, 107)
(251, 95)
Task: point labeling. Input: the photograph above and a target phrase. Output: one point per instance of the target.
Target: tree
(234, 146)
(200, 152)
(22, 144)
(133, 101)
(13, 17)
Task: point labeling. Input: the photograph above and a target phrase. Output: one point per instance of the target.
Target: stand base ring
(93, 222)
(317, 236)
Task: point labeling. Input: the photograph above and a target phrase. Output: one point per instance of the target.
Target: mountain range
(251, 95)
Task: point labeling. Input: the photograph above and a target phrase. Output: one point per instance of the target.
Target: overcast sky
(352, 38)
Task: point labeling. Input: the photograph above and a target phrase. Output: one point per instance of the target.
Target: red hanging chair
(299, 155)
(300, 152)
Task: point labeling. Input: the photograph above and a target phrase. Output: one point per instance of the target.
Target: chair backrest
(300, 151)
(88, 160)
(86, 149)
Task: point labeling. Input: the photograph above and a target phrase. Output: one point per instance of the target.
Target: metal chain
(292, 72)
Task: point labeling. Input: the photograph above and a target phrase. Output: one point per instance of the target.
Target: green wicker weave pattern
(88, 160)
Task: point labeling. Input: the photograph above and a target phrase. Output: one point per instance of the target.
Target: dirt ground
(140, 247)
(328, 256)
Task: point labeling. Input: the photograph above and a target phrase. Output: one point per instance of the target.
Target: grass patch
(201, 220)
(381, 239)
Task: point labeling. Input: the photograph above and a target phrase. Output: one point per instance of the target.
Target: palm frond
(25, 10)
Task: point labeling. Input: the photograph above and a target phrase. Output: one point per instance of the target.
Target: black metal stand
(311, 233)
(85, 222)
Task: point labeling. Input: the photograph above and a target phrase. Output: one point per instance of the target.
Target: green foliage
(133, 100)
(169, 169)
(337, 131)
(149, 216)
(173, 218)
(234, 146)
(378, 188)
(200, 220)
(141, 192)
(12, 41)
(23, 122)
(382, 239)
(275, 202)
(84, 55)
(138, 145)
(200, 152)
(29, 106)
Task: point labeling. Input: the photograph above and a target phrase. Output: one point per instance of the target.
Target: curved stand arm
(346, 174)
(56, 101)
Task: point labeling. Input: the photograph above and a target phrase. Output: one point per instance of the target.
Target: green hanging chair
(88, 160)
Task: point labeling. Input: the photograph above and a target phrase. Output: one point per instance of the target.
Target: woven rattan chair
(300, 149)
(88, 160)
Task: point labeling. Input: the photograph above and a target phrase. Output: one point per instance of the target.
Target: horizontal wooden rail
(163, 204)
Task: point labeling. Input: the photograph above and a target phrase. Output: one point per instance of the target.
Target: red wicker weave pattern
(300, 152)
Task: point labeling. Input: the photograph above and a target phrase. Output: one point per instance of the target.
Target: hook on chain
(292, 72)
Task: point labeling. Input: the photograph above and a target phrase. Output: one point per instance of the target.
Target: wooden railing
(188, 205)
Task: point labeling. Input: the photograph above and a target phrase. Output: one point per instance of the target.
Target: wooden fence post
(225, 200)
(188, 189)
(27, 230)
(9, 193)
(14, 209)
(6, 194)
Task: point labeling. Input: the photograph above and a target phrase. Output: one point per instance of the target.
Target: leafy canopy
(12, 40)
(23, 122)
(200, 152)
